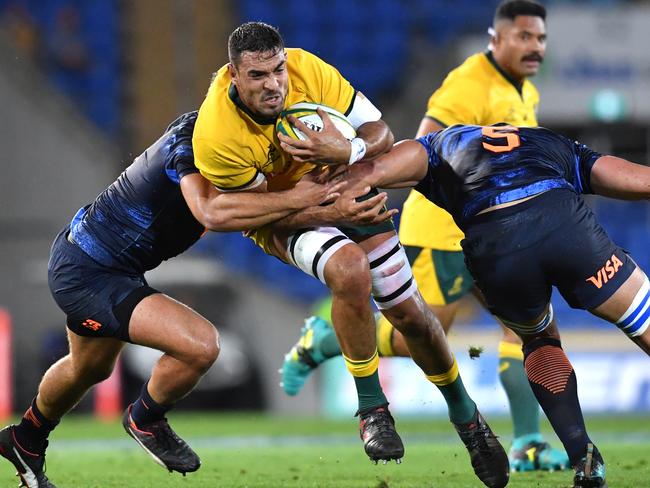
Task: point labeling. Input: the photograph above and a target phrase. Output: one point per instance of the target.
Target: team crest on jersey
(272, 156)
(606, 272)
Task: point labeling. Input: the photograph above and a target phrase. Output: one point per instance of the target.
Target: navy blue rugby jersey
(142, 218)
(472, 168)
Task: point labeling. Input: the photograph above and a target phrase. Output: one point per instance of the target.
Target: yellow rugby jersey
(232, 146)
(477, 92)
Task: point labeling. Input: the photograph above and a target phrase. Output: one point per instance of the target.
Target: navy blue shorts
(98, 301)
(518, 253)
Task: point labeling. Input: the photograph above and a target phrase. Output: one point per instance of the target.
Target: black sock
(553, 382)
(33, 430)
(145, 410)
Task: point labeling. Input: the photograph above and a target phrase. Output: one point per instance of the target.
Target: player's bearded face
(520, 46)
(262, 81)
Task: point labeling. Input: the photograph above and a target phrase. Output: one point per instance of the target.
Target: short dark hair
(253, 37)
(510, 9)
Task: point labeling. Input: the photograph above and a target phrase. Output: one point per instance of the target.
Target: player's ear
(496, 34)
(233, 73)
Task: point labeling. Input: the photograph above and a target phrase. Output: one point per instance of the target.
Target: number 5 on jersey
(505, 135)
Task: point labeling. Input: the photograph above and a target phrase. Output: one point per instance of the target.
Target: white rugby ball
(307, 114)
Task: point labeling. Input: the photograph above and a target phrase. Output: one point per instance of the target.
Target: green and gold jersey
(477, 92)
(233, 149)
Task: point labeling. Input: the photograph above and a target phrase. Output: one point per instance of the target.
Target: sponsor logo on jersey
(606, 272)
(91, 324)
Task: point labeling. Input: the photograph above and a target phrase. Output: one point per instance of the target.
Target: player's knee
(348, 274)
(206, 351)
(94, 372)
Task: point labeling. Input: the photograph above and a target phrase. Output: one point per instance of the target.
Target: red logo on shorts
(606, 272)
(91, 324)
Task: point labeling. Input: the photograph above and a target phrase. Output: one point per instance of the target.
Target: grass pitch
(252, 450)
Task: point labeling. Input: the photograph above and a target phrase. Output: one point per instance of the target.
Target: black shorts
(518, 253)
(97, 300)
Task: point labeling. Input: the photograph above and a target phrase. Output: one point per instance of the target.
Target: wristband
(357, 149)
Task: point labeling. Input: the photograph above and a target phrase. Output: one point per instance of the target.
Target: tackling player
(489, 87)
(237, 149)
(155, 210)
(515, 193)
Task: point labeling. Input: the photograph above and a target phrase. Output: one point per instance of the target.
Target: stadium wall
(53, 162)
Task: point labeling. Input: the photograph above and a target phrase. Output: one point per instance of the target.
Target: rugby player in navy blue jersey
(516, 194)
(155, 210)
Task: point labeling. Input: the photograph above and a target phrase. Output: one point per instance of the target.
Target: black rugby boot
(162, 444)
(30, 465)
(489, 459)
(590, 470)
(380, 439)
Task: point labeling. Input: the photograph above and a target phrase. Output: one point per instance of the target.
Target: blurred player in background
(237, 149)
(516, 194)
(489, 87)
(155, 210)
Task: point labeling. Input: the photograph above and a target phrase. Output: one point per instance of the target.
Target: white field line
(241, 442)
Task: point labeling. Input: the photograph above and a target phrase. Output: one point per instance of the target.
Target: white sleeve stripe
(362, 111)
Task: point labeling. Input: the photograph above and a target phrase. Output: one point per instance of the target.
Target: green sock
(524, 408)
(461, 407)
(369, 392)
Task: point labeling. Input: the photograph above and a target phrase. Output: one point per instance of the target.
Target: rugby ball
(306, 113)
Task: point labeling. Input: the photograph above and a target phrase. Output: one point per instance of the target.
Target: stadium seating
(96, 87)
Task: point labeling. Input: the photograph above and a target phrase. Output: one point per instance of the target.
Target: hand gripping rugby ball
(306, 113)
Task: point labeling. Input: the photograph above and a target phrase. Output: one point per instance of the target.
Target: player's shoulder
(218, 110)
(184, 124)
(475, 66)
(474, 72)
(296, 55)
(544, 139)
(302, 64)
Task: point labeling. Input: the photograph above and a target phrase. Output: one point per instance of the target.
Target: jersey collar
(234, 96)
(518, 86)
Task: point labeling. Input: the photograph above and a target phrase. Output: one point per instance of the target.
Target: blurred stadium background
(86, 86)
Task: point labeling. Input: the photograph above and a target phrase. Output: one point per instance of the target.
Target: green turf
(251, 450)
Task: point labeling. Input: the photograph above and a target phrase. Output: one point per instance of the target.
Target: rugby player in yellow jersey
(487, 88)
(237, 149)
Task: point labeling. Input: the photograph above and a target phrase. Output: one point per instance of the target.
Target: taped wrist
(357, 150)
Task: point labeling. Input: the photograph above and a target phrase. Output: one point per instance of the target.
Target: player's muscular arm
(377, 136)
(236, 211)
(403, 166)
(428, 125)
(330, 146)
(618, 178)
(346, 210)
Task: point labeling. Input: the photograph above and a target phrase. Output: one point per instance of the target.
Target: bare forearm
(618, 178)
(238, 210)
(306, 217)
(245, 211)
(377, 136)
(404, 166)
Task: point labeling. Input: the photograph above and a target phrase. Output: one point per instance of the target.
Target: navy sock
(553, 382)
(145, 410)
(34, 429)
